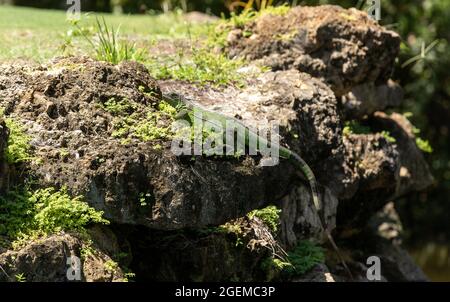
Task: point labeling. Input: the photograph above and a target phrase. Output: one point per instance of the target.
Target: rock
(320, 273)
(366, 99)
(371, 164)
(413, 173)
(204, 255)
(304, 107)
(63, 112)
(344, 47)
(396, 263)
(299, 218)
(45, 260)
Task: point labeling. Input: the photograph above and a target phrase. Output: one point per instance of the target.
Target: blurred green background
(424, 27)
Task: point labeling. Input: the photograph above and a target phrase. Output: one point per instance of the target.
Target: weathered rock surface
(344, 47)
(366, 99)
(46, 261)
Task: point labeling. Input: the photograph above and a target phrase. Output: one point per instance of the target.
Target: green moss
(354, 127)
(27, 214)
(270, 216)
(18, 149)
(148, 126)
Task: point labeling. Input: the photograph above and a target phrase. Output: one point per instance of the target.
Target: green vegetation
(40, 35)
(388, 137)
(111, 266)
(27, 214)
(109, 46)
(304, 257)
(300, 260)
(18, 149)
(232, 228)
(270, 216)
(424, 145)
(144, 199)
(21, 278)
(201, 66)
(116, 107)
(354, 127)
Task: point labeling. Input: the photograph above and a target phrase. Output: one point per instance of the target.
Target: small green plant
(18, 149)
(87, 249)
(354, 127)
(111, 266)
(116, 107)
(304, 257)
(388, 137)
(233, 228)
(27, 214)
(144, 198)
(110, 47)
(270, 216)
(274, 266)
(424, 145)
(21, 278)
(128, 276)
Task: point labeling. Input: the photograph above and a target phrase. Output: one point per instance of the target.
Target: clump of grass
(27, 214)
(109, 46)
(203, 66)
(270, 216)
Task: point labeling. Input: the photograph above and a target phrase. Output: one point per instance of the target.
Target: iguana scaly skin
(188, 111)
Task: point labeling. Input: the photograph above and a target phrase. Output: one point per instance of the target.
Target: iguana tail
(304, 167)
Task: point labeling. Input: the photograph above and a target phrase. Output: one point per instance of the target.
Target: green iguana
(188, 111)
